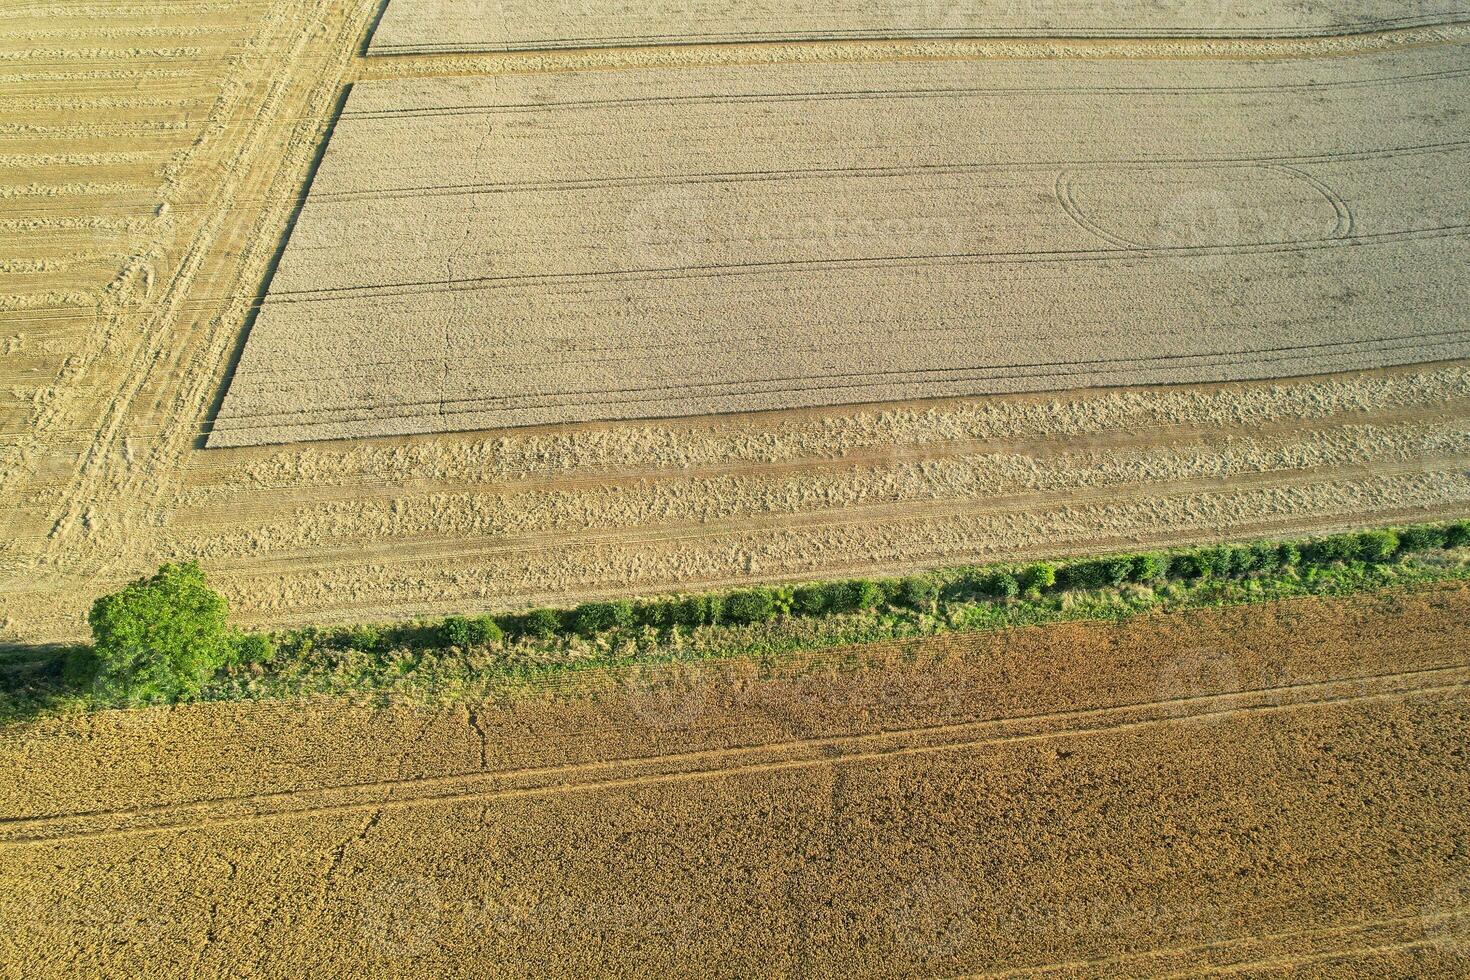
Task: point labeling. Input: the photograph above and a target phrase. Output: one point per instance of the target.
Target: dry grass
(1262, 789)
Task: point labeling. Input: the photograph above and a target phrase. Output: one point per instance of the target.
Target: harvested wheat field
(435, 26)
(121, 332)
(1259, 791)
(576, 247)
(383, 311)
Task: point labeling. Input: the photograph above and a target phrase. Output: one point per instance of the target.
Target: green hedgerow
(1422, 537)
(161, 638)
(591, 618)
(1378, 546)
(1150, 567)
(748, 606)
(1040, 576)
(918, 592)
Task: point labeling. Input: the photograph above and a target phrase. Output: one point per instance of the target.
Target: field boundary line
(878, 746)
(745, 53)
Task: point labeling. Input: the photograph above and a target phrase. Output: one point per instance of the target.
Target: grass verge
(508, 655)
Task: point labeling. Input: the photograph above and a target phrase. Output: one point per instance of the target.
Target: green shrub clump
(161, 638)
(1421, 538)
(918, 592)
(1457, 535)
(749, 606)
(591, 618)
(1039, 577)
(1151, 567)
(1099, 573)
(1378, 546)
(1003, 585)
(469, 632)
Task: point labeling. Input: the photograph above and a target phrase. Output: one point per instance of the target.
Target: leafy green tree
(161, 638)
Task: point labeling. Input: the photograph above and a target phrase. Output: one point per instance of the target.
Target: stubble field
(1274, 790)
(122, 316)
(1263, 791)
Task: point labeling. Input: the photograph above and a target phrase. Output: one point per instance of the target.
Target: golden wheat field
(1270, 791)
(384, 310)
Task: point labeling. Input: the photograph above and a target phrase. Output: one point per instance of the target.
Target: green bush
(1040, 576)
(809, 600)
(1099, 573)
(1378, 546)
(1325, 551)
(1218, 562)
(1267, 557)
(542, 624)
(861, 595)
(591, 618)
(918, 592)
(1242, 561)
(1423, 537)
(367, 639)
(697, 610)
(1150, 567)
(254, 648)
(749, 606)
(1457, 535)
(1188, 567)
(1288, 554)
(1004, 585)
(161, 638)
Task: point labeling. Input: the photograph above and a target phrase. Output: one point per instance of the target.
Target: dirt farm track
(1248, 792)
(153, 164)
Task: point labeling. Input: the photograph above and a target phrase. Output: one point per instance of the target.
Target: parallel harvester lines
(912, 318)
(1399, 924)
(410, 27)
(878, 747)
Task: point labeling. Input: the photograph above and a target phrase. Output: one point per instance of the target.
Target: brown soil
(1255, 791)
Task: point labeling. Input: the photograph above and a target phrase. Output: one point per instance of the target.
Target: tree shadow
(33, 682)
